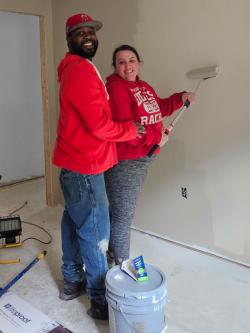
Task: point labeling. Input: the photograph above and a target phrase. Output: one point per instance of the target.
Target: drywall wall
(208, 152)
(44, 10)
(21, 117)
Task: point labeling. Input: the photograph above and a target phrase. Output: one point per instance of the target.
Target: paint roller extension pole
(201, 74)
(171, 126)
(19, 275)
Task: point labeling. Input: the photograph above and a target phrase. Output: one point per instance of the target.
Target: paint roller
(201, 74)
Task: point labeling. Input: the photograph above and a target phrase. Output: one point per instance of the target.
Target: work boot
(72, 290)
(98, 311)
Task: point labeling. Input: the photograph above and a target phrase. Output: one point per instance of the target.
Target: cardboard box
(18, 316)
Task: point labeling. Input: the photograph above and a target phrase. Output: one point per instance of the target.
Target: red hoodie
(138, 101)
(86, 131)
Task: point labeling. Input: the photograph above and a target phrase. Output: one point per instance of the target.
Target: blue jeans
(85, 231)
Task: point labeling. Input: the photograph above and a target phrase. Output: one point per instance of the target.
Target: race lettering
(152, 119)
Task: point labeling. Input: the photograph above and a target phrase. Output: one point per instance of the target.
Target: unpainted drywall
(208, 152)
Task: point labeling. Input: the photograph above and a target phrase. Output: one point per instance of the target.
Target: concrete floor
(205, 294)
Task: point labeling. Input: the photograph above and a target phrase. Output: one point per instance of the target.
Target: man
(84, 149)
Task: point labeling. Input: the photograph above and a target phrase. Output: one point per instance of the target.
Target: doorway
(23, 106)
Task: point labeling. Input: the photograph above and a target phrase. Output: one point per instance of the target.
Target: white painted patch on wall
(103, 246)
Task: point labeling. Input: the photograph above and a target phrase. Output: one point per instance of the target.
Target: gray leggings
(123, 185)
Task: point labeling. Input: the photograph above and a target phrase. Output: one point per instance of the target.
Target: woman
(132, 98)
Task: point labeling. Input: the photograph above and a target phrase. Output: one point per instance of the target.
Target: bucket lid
(121, 284)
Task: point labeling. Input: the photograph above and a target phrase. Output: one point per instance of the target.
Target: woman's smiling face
(127, 65)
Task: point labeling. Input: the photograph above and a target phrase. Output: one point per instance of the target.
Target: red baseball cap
(81, 20)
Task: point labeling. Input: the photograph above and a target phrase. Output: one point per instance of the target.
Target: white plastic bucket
(136, 307)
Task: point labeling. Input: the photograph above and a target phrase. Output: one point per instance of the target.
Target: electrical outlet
(184, 192)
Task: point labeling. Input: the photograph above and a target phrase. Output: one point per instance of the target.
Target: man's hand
(140, 129)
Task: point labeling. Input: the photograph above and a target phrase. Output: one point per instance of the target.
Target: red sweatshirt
(86, 131)
(138, 101)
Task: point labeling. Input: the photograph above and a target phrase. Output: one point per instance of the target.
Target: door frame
(45, 101)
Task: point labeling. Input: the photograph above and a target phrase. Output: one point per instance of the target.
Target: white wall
(209, 150)
(21, 116)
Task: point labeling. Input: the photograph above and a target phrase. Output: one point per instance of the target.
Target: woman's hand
(164, 139)
(190, 96)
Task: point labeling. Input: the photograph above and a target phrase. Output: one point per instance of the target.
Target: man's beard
(83, 51)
